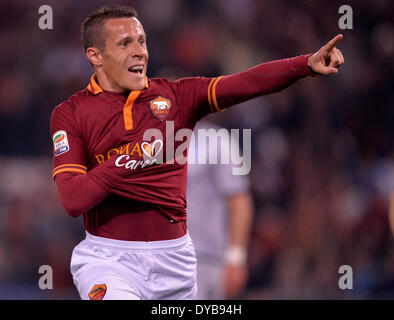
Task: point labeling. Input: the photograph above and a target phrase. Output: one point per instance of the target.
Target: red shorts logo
(98, 292)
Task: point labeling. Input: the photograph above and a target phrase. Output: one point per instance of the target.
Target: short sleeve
(69, 152)
(197, 97)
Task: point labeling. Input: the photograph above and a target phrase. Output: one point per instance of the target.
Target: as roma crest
(160, 107)
(98, 292)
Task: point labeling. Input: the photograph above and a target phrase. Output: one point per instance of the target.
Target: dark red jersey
(125, 143)
(96, 126)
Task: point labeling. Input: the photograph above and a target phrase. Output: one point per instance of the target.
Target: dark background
(322, 150)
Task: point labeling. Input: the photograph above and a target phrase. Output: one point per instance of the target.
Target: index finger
(331, 44)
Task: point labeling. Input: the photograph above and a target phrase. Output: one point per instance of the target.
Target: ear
(94, 56)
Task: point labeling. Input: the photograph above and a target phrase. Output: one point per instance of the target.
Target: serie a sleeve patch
(60, 143)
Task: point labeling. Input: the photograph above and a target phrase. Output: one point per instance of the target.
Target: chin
(136, 85)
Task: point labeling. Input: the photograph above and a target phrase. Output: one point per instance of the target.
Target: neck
(107, 84)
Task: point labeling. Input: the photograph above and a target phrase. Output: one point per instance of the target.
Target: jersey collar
(94, 87)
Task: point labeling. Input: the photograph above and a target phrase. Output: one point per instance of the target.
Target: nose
(138, 51)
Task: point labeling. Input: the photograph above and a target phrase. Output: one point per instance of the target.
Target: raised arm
(273, 76)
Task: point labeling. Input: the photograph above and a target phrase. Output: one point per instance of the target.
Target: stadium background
(322, 150)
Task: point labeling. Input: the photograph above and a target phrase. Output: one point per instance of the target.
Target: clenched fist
(328, 58)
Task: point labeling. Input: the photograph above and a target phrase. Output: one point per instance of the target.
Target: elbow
(73, 211)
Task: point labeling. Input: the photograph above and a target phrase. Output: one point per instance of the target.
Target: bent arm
(78, 192)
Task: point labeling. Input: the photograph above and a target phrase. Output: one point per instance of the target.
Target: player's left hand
(328, 59)
(235, 278)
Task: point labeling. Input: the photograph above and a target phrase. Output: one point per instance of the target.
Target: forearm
(263, 79)
(78, 192)
(236, 271)
(240, 221)
(162, 184)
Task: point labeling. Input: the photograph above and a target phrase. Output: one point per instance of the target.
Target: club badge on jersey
(60, 142)
(160, 107)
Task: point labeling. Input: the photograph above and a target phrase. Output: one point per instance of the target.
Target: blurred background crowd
(322, 150)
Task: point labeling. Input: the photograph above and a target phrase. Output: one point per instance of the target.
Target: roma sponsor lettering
(122, 161)
(215, 146)
(122, 150)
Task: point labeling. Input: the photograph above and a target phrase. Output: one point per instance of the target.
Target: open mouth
(138, 69)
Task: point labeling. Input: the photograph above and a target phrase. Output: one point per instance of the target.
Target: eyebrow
(126, 38)
(129, 38)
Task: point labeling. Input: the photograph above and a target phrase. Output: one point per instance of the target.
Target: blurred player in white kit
(220, 213)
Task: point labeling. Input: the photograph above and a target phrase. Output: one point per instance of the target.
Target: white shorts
(131, 270)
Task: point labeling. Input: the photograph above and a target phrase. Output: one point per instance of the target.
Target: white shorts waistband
(161, 245)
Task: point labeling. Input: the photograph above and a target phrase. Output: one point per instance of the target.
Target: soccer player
(113, 165)
(216, 195)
